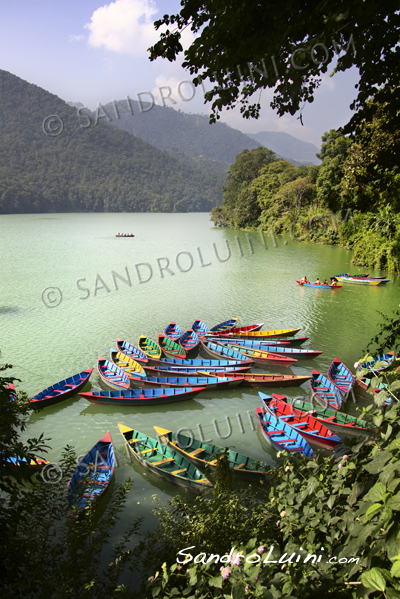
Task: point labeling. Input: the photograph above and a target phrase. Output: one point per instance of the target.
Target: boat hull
(44, 398)
(142, 397)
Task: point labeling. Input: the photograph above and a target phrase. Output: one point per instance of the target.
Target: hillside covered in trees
(351, 199)
(59, 166)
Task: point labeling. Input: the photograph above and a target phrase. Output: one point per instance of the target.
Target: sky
(94, 51)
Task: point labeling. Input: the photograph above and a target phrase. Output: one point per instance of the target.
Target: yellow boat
(132, 368)
(149, 347)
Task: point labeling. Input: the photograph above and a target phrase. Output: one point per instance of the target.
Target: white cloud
(76, 38)
(124, 26)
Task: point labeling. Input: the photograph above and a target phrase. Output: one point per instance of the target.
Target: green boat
(203, 454)
(336, 421)
(163, 461)
(170, 348)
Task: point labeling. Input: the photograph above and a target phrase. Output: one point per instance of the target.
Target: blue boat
(280, 435)
(112, 375)
(388, 358)
(93, 474)
(199, 327)
(325, 392)
(142, 397)
(341, 376)
(173, 331)
(131, 351)
(299, 354)
(159, 370)
(60, 391)
(189, 340)
(211, 382)
(195, 364)
(223, 326)
(215, 350)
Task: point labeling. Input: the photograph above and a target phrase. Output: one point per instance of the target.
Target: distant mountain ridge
(49, 163)
(288, 146)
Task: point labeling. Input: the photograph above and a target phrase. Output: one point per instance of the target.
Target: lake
(70, 288)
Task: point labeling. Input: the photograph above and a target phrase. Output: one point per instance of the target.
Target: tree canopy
(243, 47)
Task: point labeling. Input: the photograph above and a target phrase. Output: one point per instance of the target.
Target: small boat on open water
(61, 390)
(142, 397)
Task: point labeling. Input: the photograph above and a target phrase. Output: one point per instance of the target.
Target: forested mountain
(287, 146)
(58, 165)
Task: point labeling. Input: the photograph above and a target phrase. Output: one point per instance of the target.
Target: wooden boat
(93, 474)
(61, 390)
(237, 330)
(164, 462)
(223, 326)
(358, 280)
(149, 347)
(204, 454)
(263, 358)
(142, 397)
(182, 371)
(319, 286)
(325, 392)
(173, 331)
(170, 348)
(277, 333)
(339, 422)
(124, 235)
(189, 340)
(249, 379)
(131, 351)
(285, 341)
(298, 354)
(387, 360)
(280, 435)
(313, 431)
(34, 464)
(341, 376)
(131, 368)
(210, 382)
(199, 327)
(215, 350)
(195, 364)
(112, 375)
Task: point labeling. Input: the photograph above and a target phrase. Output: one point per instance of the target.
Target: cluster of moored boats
(346, 277)
(164, 372)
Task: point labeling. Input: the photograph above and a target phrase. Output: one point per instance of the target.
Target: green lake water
(61, 307)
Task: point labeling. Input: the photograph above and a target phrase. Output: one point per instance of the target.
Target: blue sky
(93, 52)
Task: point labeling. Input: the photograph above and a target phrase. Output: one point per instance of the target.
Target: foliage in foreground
(327, 526)
(47, 549)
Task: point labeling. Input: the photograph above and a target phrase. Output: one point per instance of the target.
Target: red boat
(236, 330)
(313, 431)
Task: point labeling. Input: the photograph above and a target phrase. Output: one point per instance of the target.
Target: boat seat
(179, 471)
(197, 451)
(239, 466)
(161, 462)
(146, 451)
(277, 432)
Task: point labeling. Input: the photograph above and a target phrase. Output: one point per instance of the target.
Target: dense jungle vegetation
(351, 199)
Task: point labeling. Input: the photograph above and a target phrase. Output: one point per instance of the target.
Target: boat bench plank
(196, 451)
(179, 471)
(161, 462)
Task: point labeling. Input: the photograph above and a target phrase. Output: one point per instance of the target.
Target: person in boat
(304, 280)
(318, 282)
(326, 282)
(334, 283)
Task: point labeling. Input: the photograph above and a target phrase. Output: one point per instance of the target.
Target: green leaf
(376, 465)
(216, 581)
(238, 590)
(394, 502)
(377, 492)
(374, 580)
(371, 511)
(392, 593)
(395, 444)
(395, 569)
